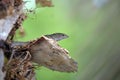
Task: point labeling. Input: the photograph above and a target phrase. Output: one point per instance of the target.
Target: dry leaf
(46, 52)
(44, 3)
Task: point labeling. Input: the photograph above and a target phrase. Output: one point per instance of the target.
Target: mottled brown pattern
(48, 53)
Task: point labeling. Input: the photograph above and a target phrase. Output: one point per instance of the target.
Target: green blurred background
(93, 27)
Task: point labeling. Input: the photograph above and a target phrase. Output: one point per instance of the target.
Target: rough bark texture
(6, 25)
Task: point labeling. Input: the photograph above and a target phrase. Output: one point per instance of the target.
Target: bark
(6, 25)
